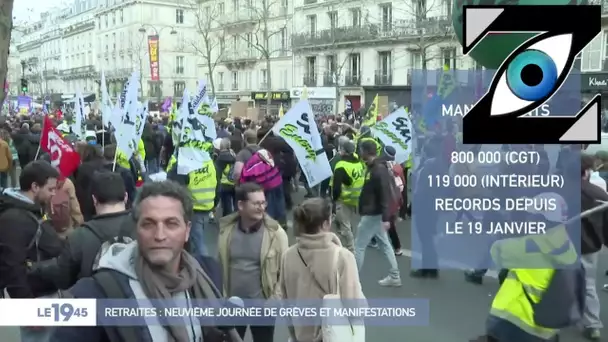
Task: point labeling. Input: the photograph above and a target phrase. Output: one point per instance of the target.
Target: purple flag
(167, 104)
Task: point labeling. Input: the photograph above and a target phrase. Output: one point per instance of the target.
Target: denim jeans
(227, 201)
(591, 316)
(152, 166)
(370, 226)
(276, 204)
(4, 179)
(197, 234)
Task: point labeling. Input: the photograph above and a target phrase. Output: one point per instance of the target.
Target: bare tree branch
(430, 25)
(269, 22)
(209, 44)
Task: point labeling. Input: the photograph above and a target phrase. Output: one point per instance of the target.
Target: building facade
(362, 49)
(253, 53)
(149, 37)
(593, 64)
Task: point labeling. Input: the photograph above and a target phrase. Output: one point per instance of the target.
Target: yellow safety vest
(378, 145)
(171, 163)
(540, 252)
(202, 184)
(350, 194)
(224, 180)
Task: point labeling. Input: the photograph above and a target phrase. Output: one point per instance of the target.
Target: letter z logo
(531, 75)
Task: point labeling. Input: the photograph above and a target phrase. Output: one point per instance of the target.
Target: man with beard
(23, 236)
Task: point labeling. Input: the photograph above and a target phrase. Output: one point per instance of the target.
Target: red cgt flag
(63, 156)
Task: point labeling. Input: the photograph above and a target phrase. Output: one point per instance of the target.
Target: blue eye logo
(531, 75)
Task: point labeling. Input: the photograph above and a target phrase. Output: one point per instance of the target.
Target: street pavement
(457, 309)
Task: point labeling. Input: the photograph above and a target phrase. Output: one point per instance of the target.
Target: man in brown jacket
(6, 163)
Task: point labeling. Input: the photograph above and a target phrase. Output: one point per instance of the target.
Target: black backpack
(45, 243)
(90, 260)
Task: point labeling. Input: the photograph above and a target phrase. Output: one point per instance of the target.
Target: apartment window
(312, 23)
(106, 19)
(420, 9)
(113, 41)
(416, 60)
(235, 80)
(355, 16)
(122, 16)
(264, 78)
(592, 55)
(311, 66)
(220, 76)
(448, 56)
(114, 18)
(179, 16)
(106, 41)
(99, 24)
(222, 44)
(386, 14)
(220, 8)
(330, 63)
(333, 19)
(283, 36)
(354, 63)
(384, 62)
(447, 6)
(179, 65)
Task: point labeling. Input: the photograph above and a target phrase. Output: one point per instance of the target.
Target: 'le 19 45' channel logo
(62, 312)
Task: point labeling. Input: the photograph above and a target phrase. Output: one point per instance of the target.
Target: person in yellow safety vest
(122, 160)
(346, 184)
(202, 183)
(366, 135)
(226, 158)
(512, 316)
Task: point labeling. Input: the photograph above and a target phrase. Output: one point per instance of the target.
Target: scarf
(161, 284)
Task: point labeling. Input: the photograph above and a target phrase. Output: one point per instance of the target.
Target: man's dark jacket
(377, 191)
(593, 227)
(88, 288)
(19, 223)
(82, 246)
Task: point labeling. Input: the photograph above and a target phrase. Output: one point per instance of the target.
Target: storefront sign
(594, 81)
(274, 95)
(314, 92)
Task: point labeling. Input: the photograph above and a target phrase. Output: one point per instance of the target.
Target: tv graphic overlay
(532, 74)
(489, 206)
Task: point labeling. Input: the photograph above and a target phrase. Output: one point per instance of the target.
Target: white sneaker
(390, 281)
(399, 252)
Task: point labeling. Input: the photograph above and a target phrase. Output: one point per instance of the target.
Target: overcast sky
(29, 10)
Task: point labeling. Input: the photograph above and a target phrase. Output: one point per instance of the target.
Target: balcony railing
(383, 77)
(330, 78)
(50, 73)
(403, 29)
(79, 70)
(234, 86)
(240, 55)
(310, 80)
(352, 79)
(239, 17)
(263, 86)
(220, 87)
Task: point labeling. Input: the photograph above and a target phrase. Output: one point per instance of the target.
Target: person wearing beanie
(346, 184)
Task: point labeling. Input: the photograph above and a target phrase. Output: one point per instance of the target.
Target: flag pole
(264, 137)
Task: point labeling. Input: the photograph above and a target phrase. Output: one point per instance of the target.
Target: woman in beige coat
(308, 273)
